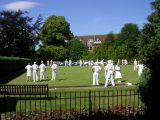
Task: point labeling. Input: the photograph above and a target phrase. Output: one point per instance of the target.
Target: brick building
(92, 41)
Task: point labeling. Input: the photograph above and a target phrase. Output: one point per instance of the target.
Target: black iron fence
(69, 104)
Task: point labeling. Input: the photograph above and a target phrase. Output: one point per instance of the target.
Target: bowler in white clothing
(42, 70)
(135, 64)
(109, 73)
(54, 70)
(29, 71)
(140, 68)
(96, 69)
(118, 75)
(35, 72)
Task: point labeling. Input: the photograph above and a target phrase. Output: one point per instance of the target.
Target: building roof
(93, 41)
(86, 38)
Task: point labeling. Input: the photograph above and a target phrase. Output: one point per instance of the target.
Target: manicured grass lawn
(77, 76)
(80, 99)
(80, 78)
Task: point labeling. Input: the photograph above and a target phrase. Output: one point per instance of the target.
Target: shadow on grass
(123, 81)
(44, 80)
(8, 78)
(62, 79)
(8, 104)
(48, 79)
(101, 84)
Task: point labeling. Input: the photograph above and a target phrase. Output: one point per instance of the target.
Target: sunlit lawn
(78, 76)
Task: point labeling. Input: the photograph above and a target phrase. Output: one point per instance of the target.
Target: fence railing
(65, 104)
(24, 89)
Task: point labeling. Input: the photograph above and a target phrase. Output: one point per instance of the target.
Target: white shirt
(29, 70)
(140, 69)
(118, 68)
(96, 69)
(54, 66)
(109, 68)
(35, 67)
(42, 67)
(135, 62)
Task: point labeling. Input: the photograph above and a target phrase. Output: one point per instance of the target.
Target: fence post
(90, 104)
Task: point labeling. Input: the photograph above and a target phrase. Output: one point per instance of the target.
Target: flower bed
(114, 113)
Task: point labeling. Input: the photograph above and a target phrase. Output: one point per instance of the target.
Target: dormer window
(97, 39)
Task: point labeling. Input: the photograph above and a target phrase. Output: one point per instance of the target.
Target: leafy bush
(115, 113)
(10, 65)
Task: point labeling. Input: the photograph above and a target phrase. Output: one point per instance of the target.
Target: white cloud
(20, 5)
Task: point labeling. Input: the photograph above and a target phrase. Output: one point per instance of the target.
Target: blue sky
(87, 17)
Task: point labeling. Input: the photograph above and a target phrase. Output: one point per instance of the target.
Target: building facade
(92, 41)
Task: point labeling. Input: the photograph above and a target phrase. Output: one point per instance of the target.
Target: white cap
(109, 61)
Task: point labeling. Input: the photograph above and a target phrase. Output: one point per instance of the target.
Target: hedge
(10, 65)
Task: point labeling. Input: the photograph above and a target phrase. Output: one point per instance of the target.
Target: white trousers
(41, 75)
(53, 74)
(35, 76)
(109, 77)
(135, 67)
(95, 79)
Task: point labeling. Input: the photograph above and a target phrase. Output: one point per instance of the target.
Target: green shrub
(10, 65)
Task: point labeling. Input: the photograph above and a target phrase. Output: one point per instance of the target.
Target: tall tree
(18, 35)
(77, 49)
(110, 39)
(149, 51)
(50, 52)
(129, 36)
(55, 31)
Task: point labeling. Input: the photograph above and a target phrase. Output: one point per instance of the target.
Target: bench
(24, 89)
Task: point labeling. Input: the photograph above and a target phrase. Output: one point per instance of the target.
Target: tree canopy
(149, 52)
(50, 52)
(110, 39)
(55, 31)
(77, 49)
(18, 35)
(129, 36)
